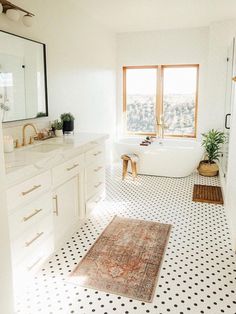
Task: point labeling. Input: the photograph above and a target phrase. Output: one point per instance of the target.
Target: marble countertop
(31, 160)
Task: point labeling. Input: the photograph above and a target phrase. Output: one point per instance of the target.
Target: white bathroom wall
(81, 61)
(181, 46)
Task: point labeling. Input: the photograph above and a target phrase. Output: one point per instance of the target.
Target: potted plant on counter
(58, 125)
(212, 142)
(68, 122)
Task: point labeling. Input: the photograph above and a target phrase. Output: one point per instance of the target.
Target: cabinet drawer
(95, 154)
(31, 263)
(94, 201)
(95, 187)
(95, 172)
(28, 190)
(67, 170)
(34, 237)
(27, 216)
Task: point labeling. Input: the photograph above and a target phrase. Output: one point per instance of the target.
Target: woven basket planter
(208, 170)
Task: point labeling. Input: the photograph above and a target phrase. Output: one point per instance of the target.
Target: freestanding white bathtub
(164, 157)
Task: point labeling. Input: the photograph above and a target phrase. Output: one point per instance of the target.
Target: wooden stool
(126, 160)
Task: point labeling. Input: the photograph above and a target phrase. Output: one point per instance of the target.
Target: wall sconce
(12, 11)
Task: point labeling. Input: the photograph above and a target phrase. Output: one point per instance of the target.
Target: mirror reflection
(22, 78)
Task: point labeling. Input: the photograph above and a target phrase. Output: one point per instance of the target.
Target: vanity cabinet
(48, 208)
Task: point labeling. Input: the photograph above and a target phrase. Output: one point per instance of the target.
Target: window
(141, 100)
(165, 94)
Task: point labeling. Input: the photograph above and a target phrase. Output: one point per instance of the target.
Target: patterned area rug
(125, 259)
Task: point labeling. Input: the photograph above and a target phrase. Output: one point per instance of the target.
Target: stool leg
(125, 167)
(133, 169)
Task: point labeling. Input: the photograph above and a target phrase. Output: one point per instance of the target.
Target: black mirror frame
(45, 75)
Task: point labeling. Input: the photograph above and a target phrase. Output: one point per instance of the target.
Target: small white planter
(58, 133)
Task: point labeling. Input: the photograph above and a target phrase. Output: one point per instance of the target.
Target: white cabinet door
(66, 209)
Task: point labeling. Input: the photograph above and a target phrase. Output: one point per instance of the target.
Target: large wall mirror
(23, 80)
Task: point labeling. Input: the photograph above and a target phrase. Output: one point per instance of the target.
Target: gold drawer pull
(34, 264)
(98, 153)
(27, 244)
(36, 211)
(56, 200)
(96, 170)
(35, 187)
(97, 185)
(73, 167)
(234, 78)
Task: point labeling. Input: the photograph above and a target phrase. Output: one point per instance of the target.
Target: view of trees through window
(141, 87)
(177, 104)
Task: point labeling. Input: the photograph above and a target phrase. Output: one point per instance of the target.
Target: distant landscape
(178, 114)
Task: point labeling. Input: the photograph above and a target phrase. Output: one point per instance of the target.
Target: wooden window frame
(159, 97)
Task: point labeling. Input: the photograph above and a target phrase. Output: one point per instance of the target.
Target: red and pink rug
(126, 259)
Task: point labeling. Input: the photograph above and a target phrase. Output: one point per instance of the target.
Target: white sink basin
(43, 148)
(39, 155)
(15, 164)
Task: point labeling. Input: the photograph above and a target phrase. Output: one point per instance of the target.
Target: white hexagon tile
(198, 273)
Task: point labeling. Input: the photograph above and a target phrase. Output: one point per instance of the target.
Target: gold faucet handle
(23, 142)
(31, 140)
(17, 143)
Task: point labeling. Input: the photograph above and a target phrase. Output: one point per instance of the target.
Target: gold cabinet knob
(234, 78)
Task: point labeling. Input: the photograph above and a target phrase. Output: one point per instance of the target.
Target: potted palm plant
(68, 122)
(212, 142)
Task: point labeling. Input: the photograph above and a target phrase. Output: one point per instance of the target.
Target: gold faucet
(24, 135)
(160, 127)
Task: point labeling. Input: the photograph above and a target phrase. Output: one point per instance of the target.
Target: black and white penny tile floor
(199, 269)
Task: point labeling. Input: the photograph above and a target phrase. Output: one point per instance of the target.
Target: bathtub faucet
(162, 130)
(160, 127)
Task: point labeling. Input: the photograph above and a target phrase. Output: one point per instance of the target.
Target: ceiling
(146, 15)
